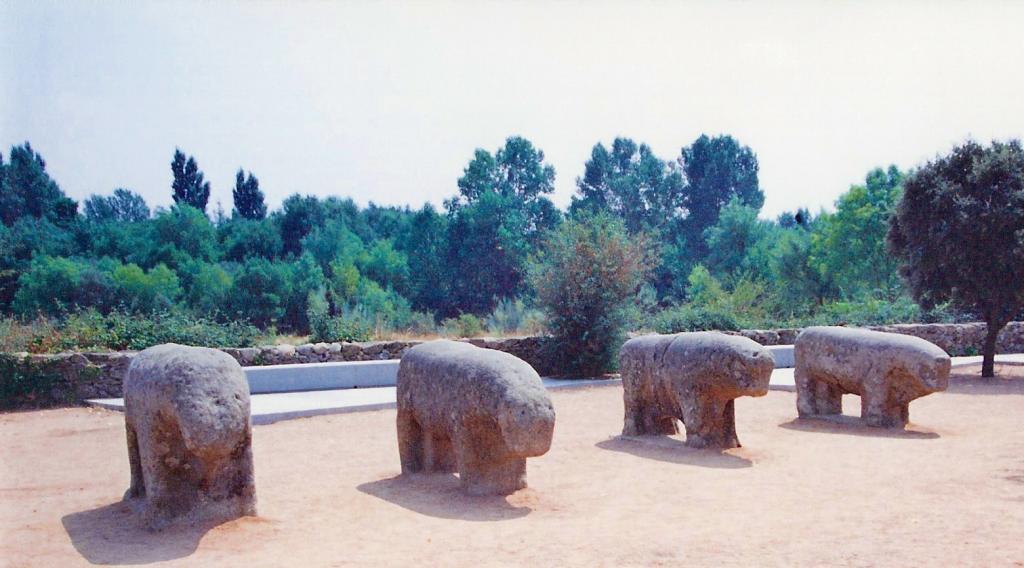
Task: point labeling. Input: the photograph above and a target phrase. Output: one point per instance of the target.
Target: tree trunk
(988, 363)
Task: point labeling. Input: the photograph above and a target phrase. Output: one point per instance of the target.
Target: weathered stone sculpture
(476, 411)
(887, 370)
(189, 436)
(695, 377)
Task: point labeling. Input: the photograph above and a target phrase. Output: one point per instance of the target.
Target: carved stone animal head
(527, 422)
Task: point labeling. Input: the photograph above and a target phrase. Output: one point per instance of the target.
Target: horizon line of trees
(316, 258)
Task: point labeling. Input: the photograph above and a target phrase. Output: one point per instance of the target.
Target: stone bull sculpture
(695, 377)
(474, 411)
(189, 436)
(887, 370)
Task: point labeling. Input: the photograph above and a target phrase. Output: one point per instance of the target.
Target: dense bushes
(53, 286)
(695, 318)
(90, 330)
(22, 382)
(337, 271)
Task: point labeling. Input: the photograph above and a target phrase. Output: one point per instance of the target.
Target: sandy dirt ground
(949, 491)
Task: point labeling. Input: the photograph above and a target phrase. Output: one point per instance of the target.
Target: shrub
(324, 328)
(23, 383)
(870, 311)
(585, 280)
(466, 325)
(695, 318)
(514, 317)
(89, 331)
(259, 292)
(48, 287)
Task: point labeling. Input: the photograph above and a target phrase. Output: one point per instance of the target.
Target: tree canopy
(188, 184)
(959, 233)
(248, 198)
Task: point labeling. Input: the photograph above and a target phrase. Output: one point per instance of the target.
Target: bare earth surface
(949, 491)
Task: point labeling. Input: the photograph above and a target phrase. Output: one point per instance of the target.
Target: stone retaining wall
(78, 376)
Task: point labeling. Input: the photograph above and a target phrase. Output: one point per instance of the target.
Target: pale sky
(386, 101)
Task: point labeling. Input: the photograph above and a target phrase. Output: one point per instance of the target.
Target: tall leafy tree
(26, 190)
(425, 246)
(487, 252)
(717, 170)
(516, 172)
(249, 202)
(298, 216)
(124, 206)
(959, 233)
(631, 183)
(739, 243)
(189, 186)
(848, 246)
(499, 216)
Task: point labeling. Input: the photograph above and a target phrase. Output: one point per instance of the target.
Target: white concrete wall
(322, 376)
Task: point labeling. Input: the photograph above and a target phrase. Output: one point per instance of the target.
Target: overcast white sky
(386, 101)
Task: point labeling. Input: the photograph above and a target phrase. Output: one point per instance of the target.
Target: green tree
(333, 241)
(500, 214)
(48, 287)
(176, 236)
(304, 276)
(123, 206)
(243, 238)
(206, 287)
(586, 278)
(959, 233)
(631, 183)
(487, 253)
(798, 281)
(716, 170)
(848, 246)
(260, 292)
(188, 184)
(516, 172)
(739, 243)
(298, 216)
(426, 246)
(248, 198)
(146, 291)
(26, 190)
(386, 266)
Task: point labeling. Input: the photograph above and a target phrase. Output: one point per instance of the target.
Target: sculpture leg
(438, 453)
(815, 397)
(806, 393)
(879, 409)
(828, 398)
(171, 488)
(645, 417)
(710, 422)
(242, 482)
(410, 442)
(633, 422)
(138, 485)
(494, 476)
(485, 468)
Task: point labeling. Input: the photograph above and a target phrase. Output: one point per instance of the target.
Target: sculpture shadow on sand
(674, 450)
(441, 495)
(112, 534)
(854, 426)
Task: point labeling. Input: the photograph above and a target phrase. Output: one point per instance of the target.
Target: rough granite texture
(189, 436)
(693, 377)
(887, 370)
(478, 412)
(98, 375)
